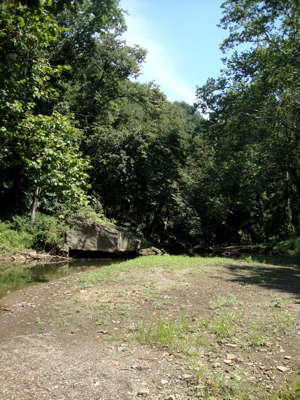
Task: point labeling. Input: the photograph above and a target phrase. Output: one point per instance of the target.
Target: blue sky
(182, 41)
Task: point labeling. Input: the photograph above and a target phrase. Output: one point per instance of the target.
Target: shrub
(45, 234)
(11, 239)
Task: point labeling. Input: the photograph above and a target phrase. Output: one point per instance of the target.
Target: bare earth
(81, 340)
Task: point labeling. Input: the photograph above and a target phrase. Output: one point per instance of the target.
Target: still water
(14, 277)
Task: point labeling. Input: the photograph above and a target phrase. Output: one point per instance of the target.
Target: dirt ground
(215, 330)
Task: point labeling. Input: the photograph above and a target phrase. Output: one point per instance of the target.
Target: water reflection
(13, 277)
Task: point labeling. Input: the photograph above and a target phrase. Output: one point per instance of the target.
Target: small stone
(281, 368)
(227, 361)
(187, 377)
(164, 382)
(231, 356)
(143, 392)
(287, 357)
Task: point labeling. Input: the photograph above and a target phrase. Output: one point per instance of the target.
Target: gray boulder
(92, 236)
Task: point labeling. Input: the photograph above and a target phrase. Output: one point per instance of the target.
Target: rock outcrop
(92, 236)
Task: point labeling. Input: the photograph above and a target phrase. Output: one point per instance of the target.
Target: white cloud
(158, 65)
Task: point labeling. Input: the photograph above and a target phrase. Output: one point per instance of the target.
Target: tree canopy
(77, 129)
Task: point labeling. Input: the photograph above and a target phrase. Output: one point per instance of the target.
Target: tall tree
(254, 115)
(33, 137)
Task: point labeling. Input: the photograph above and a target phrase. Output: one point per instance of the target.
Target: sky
(182, 40)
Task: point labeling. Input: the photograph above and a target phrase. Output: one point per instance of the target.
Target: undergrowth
(45, 234)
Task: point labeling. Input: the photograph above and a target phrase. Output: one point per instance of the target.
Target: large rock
(92, 236)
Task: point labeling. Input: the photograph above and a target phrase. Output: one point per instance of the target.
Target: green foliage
(49, 152)
(139, 162)
(70, 116)
(48, 233)
(92, 215)
(45, 234)
(291, 247)
(11, 239)
(40, 148)
(254, 119)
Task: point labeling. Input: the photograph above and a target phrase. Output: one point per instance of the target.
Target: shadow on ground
(283, 278)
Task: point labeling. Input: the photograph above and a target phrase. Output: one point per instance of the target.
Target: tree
(101, 61)
(254, 117)
(39, 146)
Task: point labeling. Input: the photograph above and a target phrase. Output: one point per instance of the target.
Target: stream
(14, 277)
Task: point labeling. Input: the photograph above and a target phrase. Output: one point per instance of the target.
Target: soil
(73, 340)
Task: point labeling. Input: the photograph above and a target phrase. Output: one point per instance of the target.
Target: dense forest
(79, 133)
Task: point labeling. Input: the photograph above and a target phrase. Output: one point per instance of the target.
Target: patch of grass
(256, 336)
(223, 325)
(283, 322)
(165, 262)
(222, 301)
(171, 334)
(291, 392)
(213, 385)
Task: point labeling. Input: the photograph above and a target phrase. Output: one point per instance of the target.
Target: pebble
(143, 392)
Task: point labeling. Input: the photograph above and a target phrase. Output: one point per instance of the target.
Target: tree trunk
(35, 203)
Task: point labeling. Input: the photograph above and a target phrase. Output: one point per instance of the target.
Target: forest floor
(158, 328)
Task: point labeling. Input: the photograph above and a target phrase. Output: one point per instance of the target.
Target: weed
(279, 302)
(204, 323)
(40, 323)
(216, 385)
(256, 338)
(64, 323)
(283, 322)
(291, 392)
(222, 301)
(223, 325)
(165, 334)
